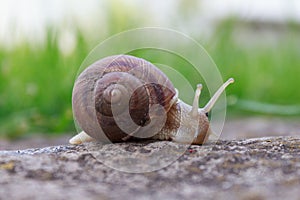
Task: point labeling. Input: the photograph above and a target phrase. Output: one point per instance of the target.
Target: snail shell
(122, 97)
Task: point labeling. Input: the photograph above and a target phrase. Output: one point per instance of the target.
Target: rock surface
(264, 168)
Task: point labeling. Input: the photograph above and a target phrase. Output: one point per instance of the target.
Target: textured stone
(263, 168)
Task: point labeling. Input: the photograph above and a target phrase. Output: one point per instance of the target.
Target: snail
(122, 97)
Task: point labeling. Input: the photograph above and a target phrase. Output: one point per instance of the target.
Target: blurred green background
(39, 65)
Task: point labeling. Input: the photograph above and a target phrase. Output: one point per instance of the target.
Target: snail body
(122, 97)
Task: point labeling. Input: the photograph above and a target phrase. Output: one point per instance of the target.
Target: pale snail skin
(184, 123)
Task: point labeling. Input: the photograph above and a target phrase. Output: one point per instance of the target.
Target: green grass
(264, 73)
(36, 82)
(36, 86)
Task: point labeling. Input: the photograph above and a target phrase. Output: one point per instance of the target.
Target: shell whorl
(121, 96)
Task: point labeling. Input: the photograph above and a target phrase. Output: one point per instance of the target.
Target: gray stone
(262, 168)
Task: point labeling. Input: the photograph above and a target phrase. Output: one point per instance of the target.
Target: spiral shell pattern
(122, 96)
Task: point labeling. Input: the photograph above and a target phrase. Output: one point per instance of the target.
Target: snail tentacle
(214, 99)
(194, 112)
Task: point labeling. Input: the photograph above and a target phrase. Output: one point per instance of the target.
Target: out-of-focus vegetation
(266, 68)
(36, 81)
(36, 86)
